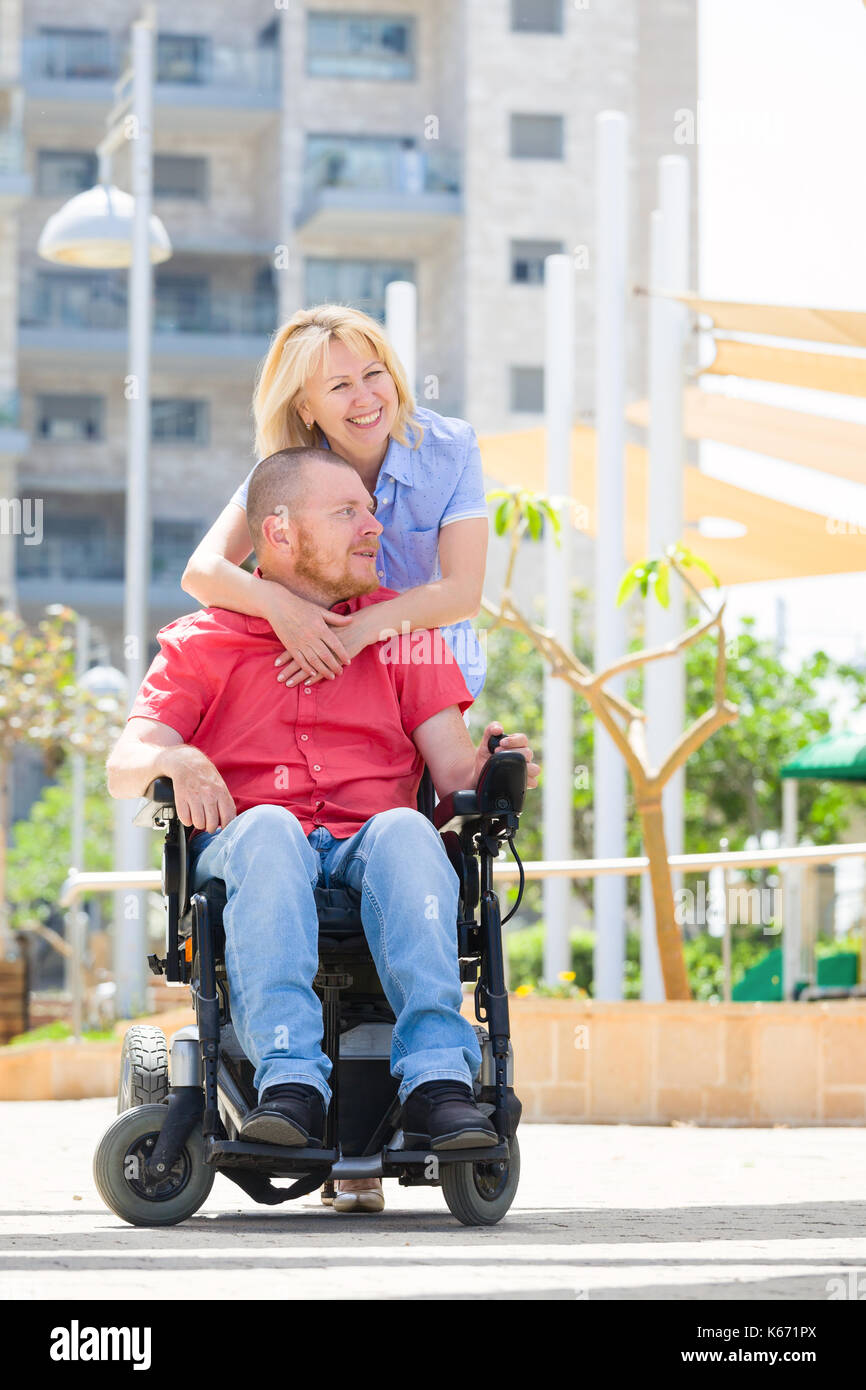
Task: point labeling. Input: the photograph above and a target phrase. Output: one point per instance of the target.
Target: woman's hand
(354, 637)
(308, 634)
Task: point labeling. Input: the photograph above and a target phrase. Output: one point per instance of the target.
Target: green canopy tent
(834, 758)
(839, 757)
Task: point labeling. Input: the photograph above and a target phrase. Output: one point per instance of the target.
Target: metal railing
(72, 558)
(77, 884)
(78, 306)
(100, 57)
(372, 167)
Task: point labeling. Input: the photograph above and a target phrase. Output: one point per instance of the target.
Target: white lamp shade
(95, 229)
(104, 680)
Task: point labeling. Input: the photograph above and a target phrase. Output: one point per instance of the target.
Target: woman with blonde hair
(331, 379)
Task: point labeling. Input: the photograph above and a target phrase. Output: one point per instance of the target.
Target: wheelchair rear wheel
(143, 1068)
(479, 1194)
(118, 1171)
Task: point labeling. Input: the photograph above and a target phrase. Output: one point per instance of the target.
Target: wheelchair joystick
(494, 741)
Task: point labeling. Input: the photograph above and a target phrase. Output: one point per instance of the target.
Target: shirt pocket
(420, 547)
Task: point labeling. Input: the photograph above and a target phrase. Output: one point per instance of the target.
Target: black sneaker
(291, 1114)
(443, 1115)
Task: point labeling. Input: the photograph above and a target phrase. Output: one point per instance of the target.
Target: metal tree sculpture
(520, 512)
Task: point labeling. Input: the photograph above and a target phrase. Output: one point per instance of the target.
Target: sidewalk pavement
(602, 1212)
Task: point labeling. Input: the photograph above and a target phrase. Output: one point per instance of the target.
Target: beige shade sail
(781, 542)
(845, 327)
(819, 371)
(813, 441)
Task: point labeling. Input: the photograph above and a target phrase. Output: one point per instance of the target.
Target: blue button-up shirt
(418, 491)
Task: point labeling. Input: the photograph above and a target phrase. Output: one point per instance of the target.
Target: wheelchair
(178, 1125)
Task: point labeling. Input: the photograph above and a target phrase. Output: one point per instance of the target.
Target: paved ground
(610, 1212)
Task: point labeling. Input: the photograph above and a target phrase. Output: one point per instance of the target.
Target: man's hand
(200, 794)
(513, 743)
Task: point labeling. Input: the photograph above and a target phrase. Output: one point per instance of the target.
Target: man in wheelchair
(290, 787)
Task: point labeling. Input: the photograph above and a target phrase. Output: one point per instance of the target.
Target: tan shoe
(361, 1198)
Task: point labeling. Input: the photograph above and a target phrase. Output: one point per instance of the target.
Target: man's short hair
(280, 480)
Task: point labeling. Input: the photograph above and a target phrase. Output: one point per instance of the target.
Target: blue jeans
(408, 889)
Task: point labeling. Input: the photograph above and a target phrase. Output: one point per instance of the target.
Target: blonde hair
(296, 352)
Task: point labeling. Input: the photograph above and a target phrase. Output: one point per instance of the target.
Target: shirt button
(316, 767)
(307, 690)
(304, 737)
(381, 574)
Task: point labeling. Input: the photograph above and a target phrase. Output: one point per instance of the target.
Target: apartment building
(303, 152)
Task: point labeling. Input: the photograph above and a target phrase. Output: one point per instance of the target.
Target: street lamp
(94, 229)
(106, 228)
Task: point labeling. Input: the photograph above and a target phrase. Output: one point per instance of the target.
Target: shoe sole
(278, 1129)
(458, 1139)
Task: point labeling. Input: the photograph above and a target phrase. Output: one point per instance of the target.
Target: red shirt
(335, 753)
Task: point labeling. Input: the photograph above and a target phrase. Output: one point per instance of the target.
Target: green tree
(42, 705)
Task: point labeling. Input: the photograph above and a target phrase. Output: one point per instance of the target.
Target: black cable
(510, 840)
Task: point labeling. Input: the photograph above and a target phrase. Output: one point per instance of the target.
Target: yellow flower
(567, 975)
(523, 989)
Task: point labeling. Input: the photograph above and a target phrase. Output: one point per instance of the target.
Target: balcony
(85, 565)
(13, 440)
(364, 185)
(15, 182)
(74, 313)
(196, 80)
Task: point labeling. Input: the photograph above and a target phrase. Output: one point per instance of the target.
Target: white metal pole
(792, 900)
(74, 963)
(401, 325)
(664, 681)
(134, 841)
(558, 739)
(609, 775)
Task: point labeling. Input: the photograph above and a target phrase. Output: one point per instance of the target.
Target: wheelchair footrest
(395, 1159)
(235, 1153)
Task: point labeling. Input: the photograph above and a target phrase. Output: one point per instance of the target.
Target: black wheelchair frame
(212, 1079)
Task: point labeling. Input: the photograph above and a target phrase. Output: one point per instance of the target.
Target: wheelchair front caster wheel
(479, 1194)
(119, 1171)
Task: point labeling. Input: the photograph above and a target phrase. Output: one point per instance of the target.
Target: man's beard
(347, 584)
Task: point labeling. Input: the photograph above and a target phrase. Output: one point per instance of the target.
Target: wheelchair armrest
(500, 791)
(454, 810)
(158, 799)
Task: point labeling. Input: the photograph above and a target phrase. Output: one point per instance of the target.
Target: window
(61, 173)
(536, 16)
(76, 53)
(73, 547)
(353, 45)
(180, 176)
(527, 390)
(75, 299)
(173, 543)
(182, 58)
(182, 304)
(178, 421)
(359, 283)
(536, 137)
(69, 417)
(527, 260)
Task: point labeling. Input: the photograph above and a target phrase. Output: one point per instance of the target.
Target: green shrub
(703, 955)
